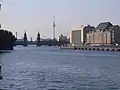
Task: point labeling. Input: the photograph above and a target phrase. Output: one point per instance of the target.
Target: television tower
(54, 26)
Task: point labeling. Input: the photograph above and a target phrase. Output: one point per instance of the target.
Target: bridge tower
(25, 43)
(38, 39)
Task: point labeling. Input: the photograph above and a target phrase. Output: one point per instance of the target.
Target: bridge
(40, 42)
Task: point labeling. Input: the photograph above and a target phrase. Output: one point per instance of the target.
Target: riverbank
(93, 48)
(5, 51)
(67, 48)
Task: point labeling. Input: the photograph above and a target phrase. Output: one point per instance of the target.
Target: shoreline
(5, 51)
(92, 48)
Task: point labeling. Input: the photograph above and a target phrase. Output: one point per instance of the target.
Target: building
(75, 37)
(104, 34)
(86, 30)
(115, 34)
(79, 36)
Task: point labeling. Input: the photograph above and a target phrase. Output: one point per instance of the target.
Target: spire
(25, 34)
(38, 39)
(38, 32)
(25, 31)
(38, 36)
(54, 25)
(25, 39)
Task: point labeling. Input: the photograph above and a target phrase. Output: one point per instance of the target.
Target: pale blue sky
(31, 15)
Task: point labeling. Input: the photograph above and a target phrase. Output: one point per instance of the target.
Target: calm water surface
(49, 68)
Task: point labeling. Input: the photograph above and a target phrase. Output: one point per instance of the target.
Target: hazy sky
(31, 15)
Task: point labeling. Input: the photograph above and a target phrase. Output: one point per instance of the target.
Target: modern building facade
(104, 34)
(79, 36)
(75, 37)
(86, 30)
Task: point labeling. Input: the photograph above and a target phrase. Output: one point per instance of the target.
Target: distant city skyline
(34, 15)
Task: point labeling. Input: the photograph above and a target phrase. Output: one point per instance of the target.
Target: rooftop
(103, 26)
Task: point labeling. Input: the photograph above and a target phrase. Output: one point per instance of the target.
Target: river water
(49, 68)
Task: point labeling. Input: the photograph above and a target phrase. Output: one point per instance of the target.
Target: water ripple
(52, 69)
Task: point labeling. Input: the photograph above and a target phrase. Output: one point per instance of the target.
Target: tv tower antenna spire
(54, 26)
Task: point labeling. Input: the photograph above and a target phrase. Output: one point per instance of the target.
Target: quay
(67, 48)
(93, 48)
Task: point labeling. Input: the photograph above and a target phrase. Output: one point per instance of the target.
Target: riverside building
(104, 34)
(78, 36)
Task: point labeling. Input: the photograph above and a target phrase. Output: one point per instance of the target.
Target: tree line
(7, 40)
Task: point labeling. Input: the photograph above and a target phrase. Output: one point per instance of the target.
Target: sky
(33, 15)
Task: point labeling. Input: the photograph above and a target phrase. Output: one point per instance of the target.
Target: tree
(7, 40)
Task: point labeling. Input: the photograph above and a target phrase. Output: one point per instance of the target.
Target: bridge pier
(38, 39)
(25, 43)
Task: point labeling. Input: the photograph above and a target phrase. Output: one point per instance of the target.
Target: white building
(78, 36)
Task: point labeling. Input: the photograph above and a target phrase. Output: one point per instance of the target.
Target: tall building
(75, 37)
(87, 29)
(54, 26)
(78, 36)
(104, 34)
